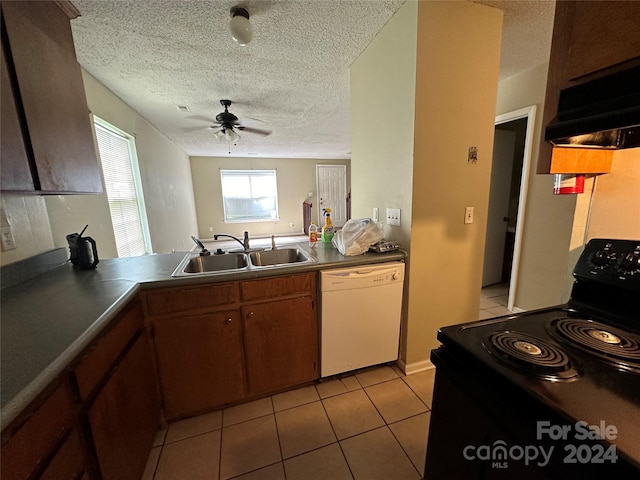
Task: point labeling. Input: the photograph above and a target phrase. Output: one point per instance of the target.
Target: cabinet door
(68, 462)
(603, 34)
(125, 415)
(281, 339)
(16, 172)
(201, 361)
(28, 447)
(52, 93)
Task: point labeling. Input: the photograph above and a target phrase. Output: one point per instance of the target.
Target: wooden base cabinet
(281, 344)
(200, 360)
(222, 343)
(124, 416)
(45, 444)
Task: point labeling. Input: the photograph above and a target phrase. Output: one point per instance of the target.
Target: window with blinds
(249, 195)
(122, 183)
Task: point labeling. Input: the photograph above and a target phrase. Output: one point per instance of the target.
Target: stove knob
(631, 263)
(602, 258)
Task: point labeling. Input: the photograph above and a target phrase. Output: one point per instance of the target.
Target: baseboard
(415, 367)
(518, 310)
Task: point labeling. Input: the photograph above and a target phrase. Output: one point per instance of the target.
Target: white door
(501, 169)
(332, 193)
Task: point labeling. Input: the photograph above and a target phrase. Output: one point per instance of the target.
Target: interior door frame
(530, 114)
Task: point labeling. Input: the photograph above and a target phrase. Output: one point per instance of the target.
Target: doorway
(507, 197)
(332, 193)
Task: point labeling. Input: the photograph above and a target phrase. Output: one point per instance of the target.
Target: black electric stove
(551, 393)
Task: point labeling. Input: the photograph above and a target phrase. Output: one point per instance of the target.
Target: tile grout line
(334, 430)
(275, 421)
(220, 449)
(386, 424)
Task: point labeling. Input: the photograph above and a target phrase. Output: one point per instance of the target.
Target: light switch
(375, 216)
(468, 215)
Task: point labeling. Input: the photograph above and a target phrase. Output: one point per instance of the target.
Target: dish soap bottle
(313, 235)
(327, 228)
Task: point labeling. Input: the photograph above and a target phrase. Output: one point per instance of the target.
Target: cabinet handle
(229, 320)
(250, 315)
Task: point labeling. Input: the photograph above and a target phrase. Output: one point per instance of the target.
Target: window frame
(249, 172)
(137, 180)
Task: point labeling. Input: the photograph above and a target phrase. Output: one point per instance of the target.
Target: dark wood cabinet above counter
(48, 147)
(591, 40)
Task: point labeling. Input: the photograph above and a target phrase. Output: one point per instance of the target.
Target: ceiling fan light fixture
(232, 136)
(219, 135)
(241, 29)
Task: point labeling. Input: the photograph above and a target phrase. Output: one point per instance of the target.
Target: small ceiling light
(241, 29)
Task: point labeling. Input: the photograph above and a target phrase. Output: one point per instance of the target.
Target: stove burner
(605, 336)
(604, 341)
(530, 354)
(527, 347)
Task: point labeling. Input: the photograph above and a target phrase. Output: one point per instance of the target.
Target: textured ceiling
(292, 79)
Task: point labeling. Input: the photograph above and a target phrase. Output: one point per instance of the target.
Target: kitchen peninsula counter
(48, 320)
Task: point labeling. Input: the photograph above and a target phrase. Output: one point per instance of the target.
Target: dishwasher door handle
(362, 273)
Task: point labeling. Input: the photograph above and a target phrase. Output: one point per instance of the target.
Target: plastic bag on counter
(356, 236)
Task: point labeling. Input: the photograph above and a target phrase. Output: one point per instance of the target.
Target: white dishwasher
(360, 316)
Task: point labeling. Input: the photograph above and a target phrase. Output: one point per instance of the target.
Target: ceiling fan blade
(250, 121)
(255, 130)
(200, 118)
(195, 129)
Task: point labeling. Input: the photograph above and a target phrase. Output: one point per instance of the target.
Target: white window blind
(117, 154)
(249, 195)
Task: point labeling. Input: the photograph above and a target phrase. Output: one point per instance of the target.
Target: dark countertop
(49, 319)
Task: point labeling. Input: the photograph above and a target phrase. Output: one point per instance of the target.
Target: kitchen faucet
(244, 242)
(203, 250)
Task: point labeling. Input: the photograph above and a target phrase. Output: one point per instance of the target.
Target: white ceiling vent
(183, 108)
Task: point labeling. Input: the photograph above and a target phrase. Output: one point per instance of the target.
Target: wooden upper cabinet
(16, 171)
(590, 40)
(51, 100)
(603, 34)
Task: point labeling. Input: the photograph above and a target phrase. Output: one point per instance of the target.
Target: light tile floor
(493, 301)
(371, 425)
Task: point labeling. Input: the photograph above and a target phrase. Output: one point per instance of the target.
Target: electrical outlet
(8, 243)
(393, 216)
(468, 215)
(291, 224)
(211, 229)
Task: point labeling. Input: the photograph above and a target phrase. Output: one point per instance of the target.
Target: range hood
(602, 113)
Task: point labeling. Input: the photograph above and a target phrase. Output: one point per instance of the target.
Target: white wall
(296, 177)
(383, 84)
(415, 111)
(166, 183)
(548, 218)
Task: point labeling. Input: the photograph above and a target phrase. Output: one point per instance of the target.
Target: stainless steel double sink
(196, 264)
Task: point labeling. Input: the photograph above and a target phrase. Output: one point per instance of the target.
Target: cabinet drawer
(279, 286)
(173, 300)
(98, 361)
(25, 451)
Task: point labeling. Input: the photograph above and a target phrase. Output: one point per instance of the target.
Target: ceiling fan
(227, 124)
